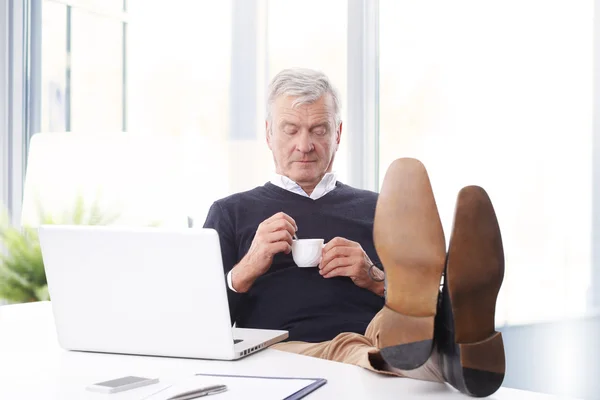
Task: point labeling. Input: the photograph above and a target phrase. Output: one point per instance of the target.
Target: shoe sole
(472, 351)
(409, 240)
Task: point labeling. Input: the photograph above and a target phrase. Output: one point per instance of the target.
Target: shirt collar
(326, 185)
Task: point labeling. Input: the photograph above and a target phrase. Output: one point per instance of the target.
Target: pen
(205, 391)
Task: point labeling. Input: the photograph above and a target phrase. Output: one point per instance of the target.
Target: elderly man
(348, 309)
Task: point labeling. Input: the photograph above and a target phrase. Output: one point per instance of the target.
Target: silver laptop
(145, 291)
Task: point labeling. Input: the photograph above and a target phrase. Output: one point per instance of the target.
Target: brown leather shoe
(472, 352)
(409, 240)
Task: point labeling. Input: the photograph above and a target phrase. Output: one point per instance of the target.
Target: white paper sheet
(237, 387)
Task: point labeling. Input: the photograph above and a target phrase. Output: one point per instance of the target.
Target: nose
(304, 144)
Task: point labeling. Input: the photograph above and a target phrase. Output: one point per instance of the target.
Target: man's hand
(274, 235)
(343, 257)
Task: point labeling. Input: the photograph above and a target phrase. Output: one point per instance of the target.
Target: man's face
(303, 139)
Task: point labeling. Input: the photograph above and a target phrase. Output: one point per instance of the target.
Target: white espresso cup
(307, 252)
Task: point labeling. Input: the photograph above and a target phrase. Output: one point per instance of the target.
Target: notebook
(240, 387)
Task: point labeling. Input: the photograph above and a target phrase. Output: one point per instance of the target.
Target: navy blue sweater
(299, 300)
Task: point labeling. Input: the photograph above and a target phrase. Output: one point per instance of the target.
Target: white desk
(33, 366)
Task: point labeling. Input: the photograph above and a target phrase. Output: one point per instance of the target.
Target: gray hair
(306, 85)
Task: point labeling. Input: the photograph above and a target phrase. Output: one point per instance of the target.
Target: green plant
(22, 274)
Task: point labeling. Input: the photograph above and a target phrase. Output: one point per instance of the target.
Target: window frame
(594, 289)
(14, 17)
(362, 131)
(20, 87)
(36, 55)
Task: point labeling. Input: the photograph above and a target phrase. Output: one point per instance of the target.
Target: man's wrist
(239, 284)
(378, 279)
(242, 277)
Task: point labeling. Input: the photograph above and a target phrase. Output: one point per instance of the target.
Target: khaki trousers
(363, 350)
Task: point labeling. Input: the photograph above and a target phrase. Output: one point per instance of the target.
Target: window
(82, 66)
(179, 67)
(181, 83)
(483, 97)
(193, 70)
(54, 67)
(312, 34)
(96, 70)
(179, 79)
(468, 87)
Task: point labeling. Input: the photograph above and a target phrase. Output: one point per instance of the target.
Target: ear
(268, 136)
(338, 135)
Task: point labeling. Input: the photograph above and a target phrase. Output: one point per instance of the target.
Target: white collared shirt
(326, 185)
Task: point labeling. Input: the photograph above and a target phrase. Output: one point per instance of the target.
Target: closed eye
(319, 130)
(289, 128)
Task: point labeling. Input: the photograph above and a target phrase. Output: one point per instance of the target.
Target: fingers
(278, 222)
(279, 217)
(281, 247)
(339, 241)
(273, 235)
(349, 271)
(342, 257)
(279, 236)
(337, 263)
(339, 248)
(281, 225)
(338, 251)
(290, 220)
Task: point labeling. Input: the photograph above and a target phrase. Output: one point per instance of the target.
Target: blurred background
(146, 111)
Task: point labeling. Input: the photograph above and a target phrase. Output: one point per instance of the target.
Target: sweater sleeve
(219, 220)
